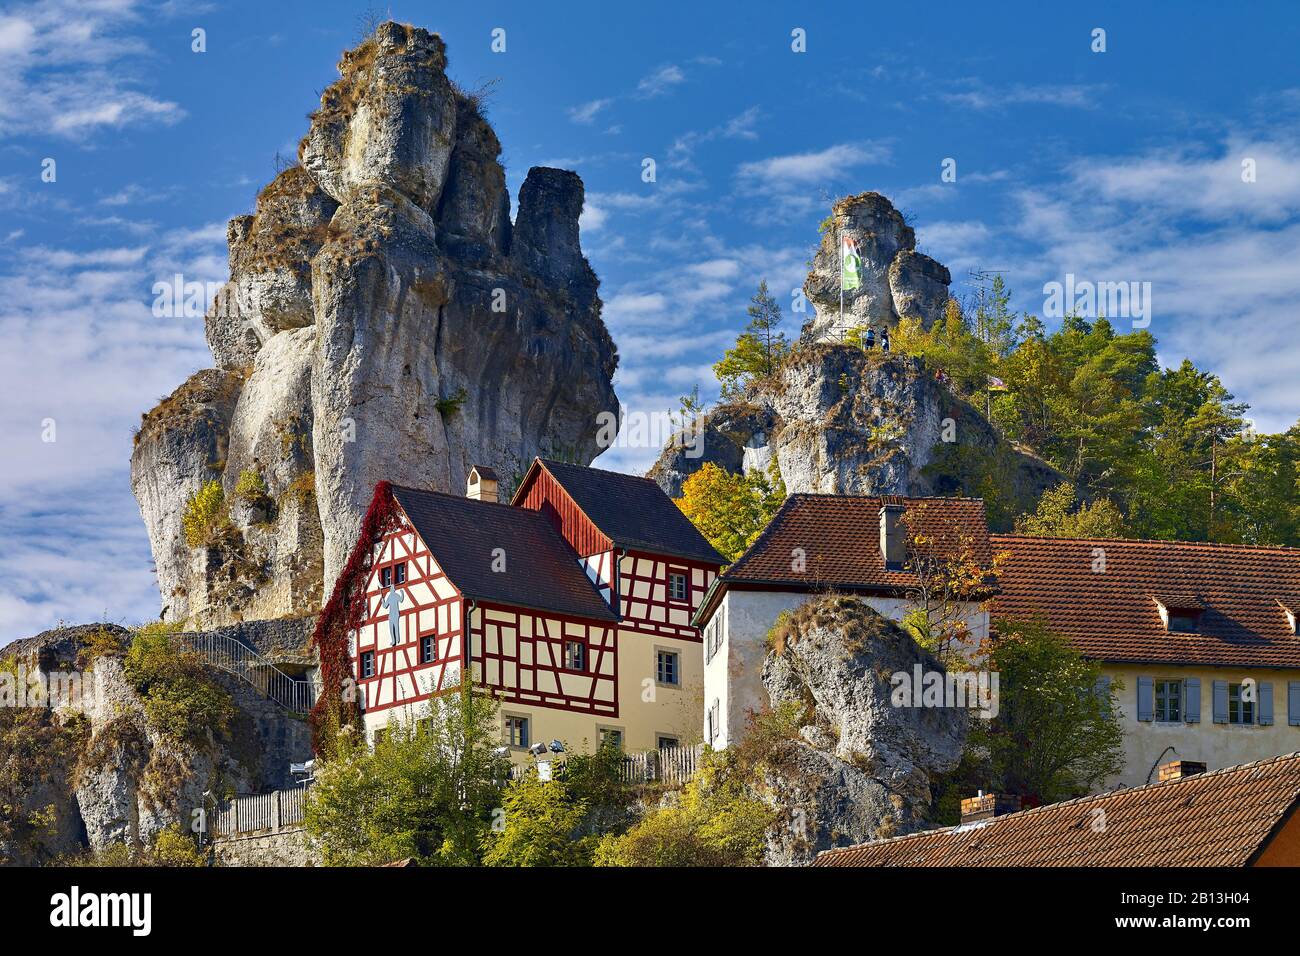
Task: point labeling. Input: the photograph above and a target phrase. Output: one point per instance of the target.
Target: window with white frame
(367, 664)
(677, 589)
(712, 722)
(612, 736)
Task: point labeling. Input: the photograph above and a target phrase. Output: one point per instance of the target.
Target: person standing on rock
(393, 601)
(884, 339)
(871, 338)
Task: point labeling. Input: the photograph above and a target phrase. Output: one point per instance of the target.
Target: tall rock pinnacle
(384, 319)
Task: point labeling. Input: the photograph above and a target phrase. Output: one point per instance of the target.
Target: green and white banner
(850, 264)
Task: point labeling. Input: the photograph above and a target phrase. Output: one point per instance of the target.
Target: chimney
(986, 806)
(1178, 769)
(893, 545)
(482, 485)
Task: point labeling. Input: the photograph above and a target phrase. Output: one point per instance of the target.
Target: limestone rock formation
(384, 319)
(861, 768)
(896, 280)
(840, 420)
(109, 774)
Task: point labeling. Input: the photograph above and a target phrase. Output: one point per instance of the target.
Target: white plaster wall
(734, 677)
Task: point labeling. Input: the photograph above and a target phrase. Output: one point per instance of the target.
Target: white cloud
(799, 169)
(67, 69)
(587, 112)
(983, 97)
(83, 350)
(661, 80)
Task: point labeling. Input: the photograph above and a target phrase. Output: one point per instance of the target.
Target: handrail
(227, 654)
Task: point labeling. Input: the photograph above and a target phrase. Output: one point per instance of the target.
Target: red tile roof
(1112, 614)
(1216, 819)
(839, 536)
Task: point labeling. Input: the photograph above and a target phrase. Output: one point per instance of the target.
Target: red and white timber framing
(431, 606)
(520, 652)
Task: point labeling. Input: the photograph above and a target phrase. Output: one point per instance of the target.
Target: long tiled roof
(1112, 614)
(632, 512)
(541, 570)
(840, 538)
(1215, 819)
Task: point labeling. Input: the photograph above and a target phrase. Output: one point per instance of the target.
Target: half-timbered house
(572, 603)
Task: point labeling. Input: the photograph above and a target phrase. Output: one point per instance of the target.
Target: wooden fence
(675, 765)
(260, 811)
(672, 765)
(294, 695)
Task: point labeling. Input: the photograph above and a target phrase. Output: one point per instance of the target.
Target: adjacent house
(879, 549)
(573, 603)
(1202, 638)
(1239, 816)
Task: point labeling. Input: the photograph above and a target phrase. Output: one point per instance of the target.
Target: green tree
(428, 790)
(758, 350)
(1060, 515)
(730, 510)
(559, 822)
(1055, 736)
(716, 821)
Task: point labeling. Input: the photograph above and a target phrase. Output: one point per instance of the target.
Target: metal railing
(260, 811)
(291, 693)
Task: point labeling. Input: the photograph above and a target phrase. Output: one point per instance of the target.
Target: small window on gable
(367, 664)
(677, 589)
(428, 648)
(575, 656)
(399, 571)
(386, 576)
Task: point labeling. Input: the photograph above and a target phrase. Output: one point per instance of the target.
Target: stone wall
(268, 848)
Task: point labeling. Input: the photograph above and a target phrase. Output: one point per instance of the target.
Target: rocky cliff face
(101, 772)
(384, 319)
(860, 768)
(896, 280)
(841, 420)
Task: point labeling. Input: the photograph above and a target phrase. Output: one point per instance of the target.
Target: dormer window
(1289, 612)
(1181, 614)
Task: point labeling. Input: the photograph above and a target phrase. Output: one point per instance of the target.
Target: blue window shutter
(1220, 701)
(1193, 700)
(1293, 703)
(1265, 704)
(1146, 699)
(1103, 693)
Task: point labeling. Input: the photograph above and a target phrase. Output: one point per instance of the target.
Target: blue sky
(1115, 166)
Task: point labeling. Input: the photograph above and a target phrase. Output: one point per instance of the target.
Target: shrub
(251, 488)
(182, 699)
(205, 516)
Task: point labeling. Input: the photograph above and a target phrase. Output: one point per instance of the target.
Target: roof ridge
(572, 464)
(1150, 541)
(1079, 801)
(448, 494)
